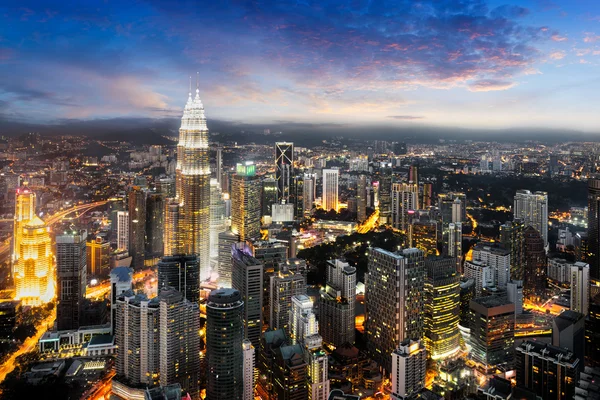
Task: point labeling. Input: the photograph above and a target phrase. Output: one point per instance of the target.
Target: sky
(451, 63)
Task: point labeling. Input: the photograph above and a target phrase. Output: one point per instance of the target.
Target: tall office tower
(534, 271)
(284, 284)
(592, 335)
(492, 331)
(457, 210)
(269, 343)
(413, 174)
(158, 340)
(446, 206)
(268, 195)
(361, 198)
(481, 274)
(33, 271)
(455, 243)
(427, 195)
(121, 281)
(405, 198)
(532, 209)
(568, 332)
(580, 287)
(172, 236)
(409, 368)
(155, 224)
(290, 373)
(337, 304)
(71, 269)
(593, 232)
(218, 222)
(282, 213)
(514, 292)
(467, 293)
(123, 230)
(511, 236)
(284, 161)
(496, 258)
(166, 187)
(136, 199)
(219, 165)
(330, 189)
(305, 330)
(193, 185)
(245, 202)
(442, 308)
(249, 363)
(394, 301)
(25, 204)
(548, 371)
(309, 193)
(181, 272)
(227, 240)
(98, 257)
(224, 339)
(423, 236)
(384, 193)
(247, 278)
(297, 194)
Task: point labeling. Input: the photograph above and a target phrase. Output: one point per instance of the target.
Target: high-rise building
(481, 274)
(532, 209)
(337, 304)
(448, 207)
(361, 198)
(224, 340)
(409, 368)
(282, 213)
(193, 186)
(155, 224)
(172, 236)
(511, 237)
(309, 192)
(580, 287)
(427, 195)
(121, 281)
(550, 372)
(219, 166)
(123, 230)
(454, 245)
(305, 328)
(284, 284)
(218, 221)
(136, 199)
(534, 271)
(492, 331)
(182, 273)
(592, 336)
(284, 161)
(405, 199)
(394, 301)
(568, 332)
(166, 187)
(249, 363)
(33, 271)
(497, 258)
(245, 202)
(330, 189)
(442, 308)
(71, 275)
(227, 240)
(247, 278)
(290, 375)
(268, 195)
(423, 236)
(593, 232)
(98, 257)
(158, 340)
(25, 204)
(514, 292)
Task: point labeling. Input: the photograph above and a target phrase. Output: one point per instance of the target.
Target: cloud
(405, 117)
(557, 55)
(559, 38)
(490, 85)
(591, 37)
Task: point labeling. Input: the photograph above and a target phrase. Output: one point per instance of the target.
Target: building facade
(71, 278)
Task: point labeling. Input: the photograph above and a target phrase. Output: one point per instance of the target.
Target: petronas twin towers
(187, 229)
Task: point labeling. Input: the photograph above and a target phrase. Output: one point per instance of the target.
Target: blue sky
(459, 63)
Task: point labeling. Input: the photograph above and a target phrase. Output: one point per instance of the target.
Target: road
(370, 223)
(28, 345)
(101, 289)
(101, 390)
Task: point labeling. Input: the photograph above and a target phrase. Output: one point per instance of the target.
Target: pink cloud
(591, 37)
(489, 85)
(557, 55)
(559, 38)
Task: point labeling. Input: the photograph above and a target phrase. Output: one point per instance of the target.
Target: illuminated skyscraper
(330, 189)
(284, 160)
(249, 364)
(532, 209)
(71, 278)
(269, 195)
(217, 217)
(394, 301)
(337, 304)
(308, 193)
(181, 273)
(423, 236)
(136, 199)
(245, 202)
(593, 256)
(123, 230)
(405, 198)
(442, 307)
(361, 198)
(98, 257)
(247, 278)
(535, 264)
(34, 275)
(25, 203)
(284, 284)
(155, 222)
(580, 287)
(409, 365)
(171, 238)
(193, 186)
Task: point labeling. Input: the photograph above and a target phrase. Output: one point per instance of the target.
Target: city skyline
(474, 64)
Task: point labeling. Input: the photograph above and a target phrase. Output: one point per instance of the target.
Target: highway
(28, 345)
(370, 223)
